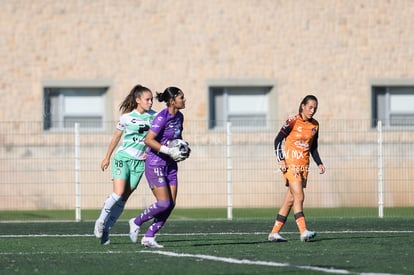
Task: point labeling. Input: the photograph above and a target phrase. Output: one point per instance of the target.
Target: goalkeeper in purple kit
(161, 166)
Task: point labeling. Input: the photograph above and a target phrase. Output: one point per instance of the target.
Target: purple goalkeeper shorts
(159, 176)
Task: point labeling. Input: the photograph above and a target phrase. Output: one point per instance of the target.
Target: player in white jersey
(128, 165)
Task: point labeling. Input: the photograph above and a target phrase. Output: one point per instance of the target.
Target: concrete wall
(333, 49)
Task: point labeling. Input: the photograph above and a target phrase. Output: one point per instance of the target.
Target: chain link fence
(366, 167)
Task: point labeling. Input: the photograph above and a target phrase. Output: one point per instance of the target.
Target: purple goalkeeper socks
(159, 222)
(152, 211)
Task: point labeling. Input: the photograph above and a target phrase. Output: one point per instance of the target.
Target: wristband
(164, 149)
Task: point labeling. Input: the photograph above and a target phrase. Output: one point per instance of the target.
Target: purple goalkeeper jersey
(167, 127)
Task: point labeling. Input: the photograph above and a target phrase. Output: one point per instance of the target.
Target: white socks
(110, 201)
(116, 211)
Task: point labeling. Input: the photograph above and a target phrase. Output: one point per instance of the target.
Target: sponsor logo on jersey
(301, 145)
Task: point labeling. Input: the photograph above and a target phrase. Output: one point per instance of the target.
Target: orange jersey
(300, 136)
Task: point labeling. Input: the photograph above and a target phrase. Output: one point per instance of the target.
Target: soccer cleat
(105, 238)
(307, 236)
(150, 242)
(275, 237)
(133, 231)
(98, 230)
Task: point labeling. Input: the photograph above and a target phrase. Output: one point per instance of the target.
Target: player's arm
(151, 142)
(114, 142)
(278, 145)
(279, 151)
(283, 133)
(158, 124)
(315, 154)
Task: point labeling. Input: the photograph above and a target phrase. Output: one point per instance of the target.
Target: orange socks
(300, 221)
(280, 221)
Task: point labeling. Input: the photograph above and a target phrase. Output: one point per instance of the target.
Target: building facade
(249, 62)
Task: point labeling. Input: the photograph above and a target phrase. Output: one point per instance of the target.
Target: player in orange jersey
(300, 133)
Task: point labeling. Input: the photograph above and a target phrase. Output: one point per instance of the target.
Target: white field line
(217, 233)
(208, 258)
(261, 263)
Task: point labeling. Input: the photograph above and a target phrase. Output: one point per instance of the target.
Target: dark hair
(168, 94)
(130, 102)
(305, 101)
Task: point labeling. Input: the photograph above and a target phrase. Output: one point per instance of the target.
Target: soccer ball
(182, 146)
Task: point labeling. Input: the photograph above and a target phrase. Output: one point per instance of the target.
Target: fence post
(229, 174)
(77, 174)
(380, 173)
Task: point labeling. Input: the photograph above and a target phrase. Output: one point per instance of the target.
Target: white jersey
(135, 127)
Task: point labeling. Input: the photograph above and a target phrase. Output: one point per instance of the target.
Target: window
(393, 105)
(245, 105)
(65, 106)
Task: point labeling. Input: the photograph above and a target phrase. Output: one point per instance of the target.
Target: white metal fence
(366, 167)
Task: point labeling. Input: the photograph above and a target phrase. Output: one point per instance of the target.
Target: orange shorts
(296, 174)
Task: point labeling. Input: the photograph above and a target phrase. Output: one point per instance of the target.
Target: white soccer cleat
(307, 236)
(98, 230)
(150, 242)
(275, 237)
(133, 231)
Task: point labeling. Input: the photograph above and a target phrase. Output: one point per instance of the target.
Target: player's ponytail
(130, 103)
(168, 94)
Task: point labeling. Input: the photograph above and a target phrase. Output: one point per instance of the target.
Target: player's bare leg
(281, 218)
(296, 188)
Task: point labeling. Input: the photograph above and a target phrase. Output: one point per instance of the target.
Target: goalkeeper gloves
(174, 153)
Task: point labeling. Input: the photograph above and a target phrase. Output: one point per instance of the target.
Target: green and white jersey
(135, 127)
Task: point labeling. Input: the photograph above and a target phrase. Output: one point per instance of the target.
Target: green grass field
(202, 242)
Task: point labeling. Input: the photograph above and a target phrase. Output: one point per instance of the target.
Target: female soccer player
(129, 161)
(301, 140)
(161, 166)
